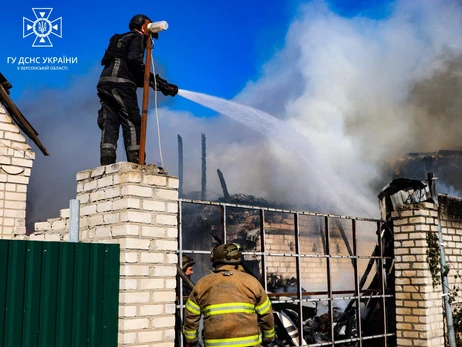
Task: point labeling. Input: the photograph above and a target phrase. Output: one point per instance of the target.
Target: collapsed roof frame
(16, 114)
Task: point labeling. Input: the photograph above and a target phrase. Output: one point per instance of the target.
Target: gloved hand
(266, 342)
(165, 87)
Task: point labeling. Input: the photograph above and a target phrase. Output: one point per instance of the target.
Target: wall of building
(419, 305)
(16, 159)
(135, 206)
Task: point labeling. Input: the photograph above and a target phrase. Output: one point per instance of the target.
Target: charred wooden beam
(204, 169)
(223, 186)
(180, 166)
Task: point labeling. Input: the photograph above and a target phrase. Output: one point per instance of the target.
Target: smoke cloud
(363, 91)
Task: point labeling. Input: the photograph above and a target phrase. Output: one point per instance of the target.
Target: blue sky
(211, 46)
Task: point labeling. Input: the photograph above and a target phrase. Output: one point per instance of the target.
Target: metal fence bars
(330, 278)
(58, 294)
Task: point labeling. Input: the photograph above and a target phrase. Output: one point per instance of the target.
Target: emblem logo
(42, 27)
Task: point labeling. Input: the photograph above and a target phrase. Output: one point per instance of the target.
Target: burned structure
(322, 272)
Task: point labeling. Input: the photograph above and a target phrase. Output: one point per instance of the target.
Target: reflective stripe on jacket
(236, 310)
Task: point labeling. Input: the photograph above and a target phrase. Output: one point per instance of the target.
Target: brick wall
(16, 161)
(419, 306)
(137, 207)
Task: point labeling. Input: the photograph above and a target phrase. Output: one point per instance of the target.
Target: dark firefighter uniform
(236, 309)
(123, 73)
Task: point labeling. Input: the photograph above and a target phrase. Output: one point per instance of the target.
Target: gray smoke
(362, 91)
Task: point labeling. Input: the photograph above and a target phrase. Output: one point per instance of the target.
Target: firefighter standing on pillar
(123, 73)
(237, 312)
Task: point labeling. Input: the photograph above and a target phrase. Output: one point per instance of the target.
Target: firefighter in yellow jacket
(236, 309)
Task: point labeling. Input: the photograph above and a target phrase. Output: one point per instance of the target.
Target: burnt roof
(17, 116)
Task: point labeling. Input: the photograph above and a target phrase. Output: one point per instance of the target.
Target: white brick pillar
(419, 312)
(16, 161)
(137, 207)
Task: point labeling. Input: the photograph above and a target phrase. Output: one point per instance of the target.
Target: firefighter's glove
(266, 342)
(165, 87)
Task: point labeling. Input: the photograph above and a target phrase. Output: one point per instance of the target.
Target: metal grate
(379, 295)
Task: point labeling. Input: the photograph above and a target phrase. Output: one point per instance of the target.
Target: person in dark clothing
(122, 74)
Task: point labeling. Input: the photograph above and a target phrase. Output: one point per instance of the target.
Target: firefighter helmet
(229, 253)
(186, 262)
(137, 21)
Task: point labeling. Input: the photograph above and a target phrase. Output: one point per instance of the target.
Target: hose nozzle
(156, 27)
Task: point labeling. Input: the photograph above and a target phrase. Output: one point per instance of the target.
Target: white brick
(172, 232)
(172, 259)
(152, 232)
(170, 284)
(127, 311)
(128, 284)
(21, 162)
(172, 207)
(134, 270)
(165, 271)
(166, 194)
(105, 181)
(14, 137)
(95, 220)
(134, 297)
(64, 213)
(103, 233)
(83, 175)
(58, 225)
(88, 210)
(151, 205)
(150, 336)
(170, 308)
(97, 196)
(111, 218)
(9, 127)
(163, 322)
(163, 219)
(126, 203)
(133, 190)
(121, 230)
(132, 216)
(173, 182)
(149, 284)
(18, 179)
(127, 338)
(92, 185)
(165, 245)
(111, 192)
(129, 257)
(15, 196)
(99, 171)
(104, 206)
(152, 258)
(127, 177)
(167, 296)
(83, 198)
(151, 310)
(39, 226)
(155, 180)
(112, 168)
(134, 244)
(133, 324)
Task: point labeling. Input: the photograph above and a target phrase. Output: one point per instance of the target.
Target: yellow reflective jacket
(236, 310)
